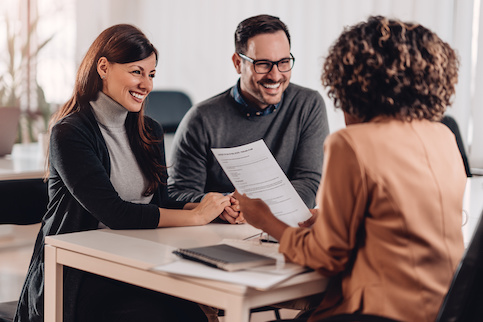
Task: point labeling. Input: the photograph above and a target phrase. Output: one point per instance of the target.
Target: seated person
(107, 170)
(264, 105)
(387, 229)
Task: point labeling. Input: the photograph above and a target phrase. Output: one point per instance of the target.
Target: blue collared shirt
(248, 109)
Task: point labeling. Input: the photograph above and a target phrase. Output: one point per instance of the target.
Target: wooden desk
(27, 161)
(128, 256)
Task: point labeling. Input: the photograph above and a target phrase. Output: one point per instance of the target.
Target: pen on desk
(253, 236)
(262, 238)
(268, 240)
(265, 238)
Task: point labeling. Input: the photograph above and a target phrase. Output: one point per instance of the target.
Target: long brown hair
(122, 43)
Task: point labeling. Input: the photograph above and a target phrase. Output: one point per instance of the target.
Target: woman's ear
(102, 67)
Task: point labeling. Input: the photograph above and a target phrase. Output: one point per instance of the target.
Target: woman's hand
(195, 214)
(258, 214)
(212, 205)
(255, 211)
(309, 222)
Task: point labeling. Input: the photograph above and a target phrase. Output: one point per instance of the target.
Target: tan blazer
(389, 225)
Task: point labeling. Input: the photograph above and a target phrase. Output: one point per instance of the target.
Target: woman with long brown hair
(107, 170)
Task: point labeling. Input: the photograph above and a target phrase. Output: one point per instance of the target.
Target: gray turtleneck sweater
(126, 175)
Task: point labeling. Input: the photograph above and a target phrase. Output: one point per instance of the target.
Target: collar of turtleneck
(109, 113)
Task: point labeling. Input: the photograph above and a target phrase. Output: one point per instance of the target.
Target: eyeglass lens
(263, 67)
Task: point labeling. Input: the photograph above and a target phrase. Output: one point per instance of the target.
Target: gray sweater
(126, 175)
(294, 133)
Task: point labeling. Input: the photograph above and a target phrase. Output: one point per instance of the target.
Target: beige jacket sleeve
(342, 202)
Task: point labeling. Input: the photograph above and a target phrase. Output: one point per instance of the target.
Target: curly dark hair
(393, 68)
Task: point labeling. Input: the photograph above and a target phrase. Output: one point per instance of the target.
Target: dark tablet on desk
(225, 257)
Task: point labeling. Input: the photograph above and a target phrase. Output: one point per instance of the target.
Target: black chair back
(24, 202)
(168, 108)
(464, 300)
(450, 122)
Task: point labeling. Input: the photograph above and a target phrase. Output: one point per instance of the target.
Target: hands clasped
(232, 213)
(255, 211)
(258, 214)
(212, 205)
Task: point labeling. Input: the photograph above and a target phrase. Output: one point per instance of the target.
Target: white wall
(475, 101)
(195, 37)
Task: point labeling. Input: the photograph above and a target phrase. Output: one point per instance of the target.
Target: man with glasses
(291, 119)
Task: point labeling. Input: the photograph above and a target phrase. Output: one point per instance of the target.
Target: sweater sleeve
(78, 162)
(328, 245)
(306, 168)
(189, 170)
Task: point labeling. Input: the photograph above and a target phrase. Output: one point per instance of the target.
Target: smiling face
(129, 83)
(264, 89)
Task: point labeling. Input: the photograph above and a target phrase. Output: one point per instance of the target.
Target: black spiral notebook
(224, 256)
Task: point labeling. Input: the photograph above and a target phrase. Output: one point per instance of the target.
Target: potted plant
(14, 90)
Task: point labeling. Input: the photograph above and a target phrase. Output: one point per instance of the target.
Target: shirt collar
(249, 109)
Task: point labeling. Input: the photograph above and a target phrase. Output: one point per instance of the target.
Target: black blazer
(80, 196)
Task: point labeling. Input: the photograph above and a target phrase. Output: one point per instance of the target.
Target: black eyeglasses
(263, 66)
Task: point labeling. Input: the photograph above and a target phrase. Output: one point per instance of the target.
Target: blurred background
(43, 41)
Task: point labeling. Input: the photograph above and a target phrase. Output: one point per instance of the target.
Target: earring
(103, 77)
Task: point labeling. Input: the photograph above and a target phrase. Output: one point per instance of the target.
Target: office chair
(450, 122)
(168, 108)
(23, 202)
(463, 301)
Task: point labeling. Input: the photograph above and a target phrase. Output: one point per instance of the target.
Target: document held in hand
(226, 257)
(253, 170)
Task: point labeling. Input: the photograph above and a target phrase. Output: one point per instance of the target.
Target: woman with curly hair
(387, 229)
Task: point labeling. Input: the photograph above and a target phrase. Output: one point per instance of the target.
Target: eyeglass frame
(254, 61)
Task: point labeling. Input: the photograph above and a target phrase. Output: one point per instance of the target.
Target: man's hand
(232, 213)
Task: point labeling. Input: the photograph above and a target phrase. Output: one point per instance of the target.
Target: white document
(253, 170)
(254, 278)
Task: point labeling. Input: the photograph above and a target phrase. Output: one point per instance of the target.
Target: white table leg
(238, 311)
(53, 288)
